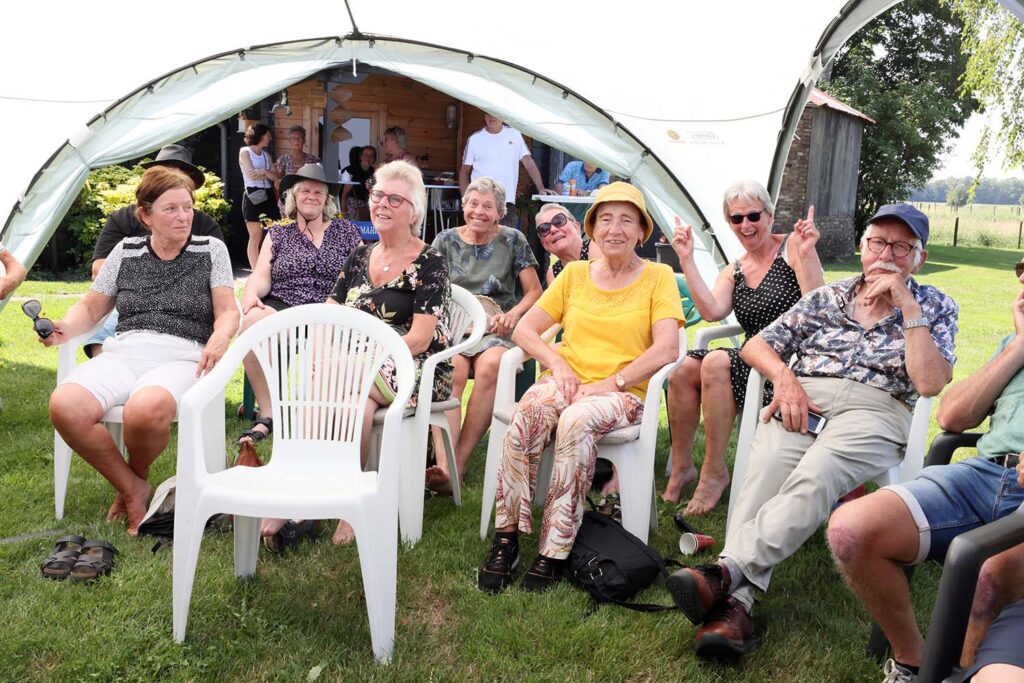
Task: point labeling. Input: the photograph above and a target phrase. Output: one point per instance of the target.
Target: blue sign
(367, 230)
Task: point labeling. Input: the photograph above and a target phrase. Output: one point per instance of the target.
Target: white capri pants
(135, 360)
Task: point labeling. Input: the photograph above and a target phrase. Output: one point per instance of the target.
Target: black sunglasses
(558, 221)
(1019, 268)
(42, 326)
(753, 217)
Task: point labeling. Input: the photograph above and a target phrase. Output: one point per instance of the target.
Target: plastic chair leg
(634, 492)
(247, 544)
(188, 537)
(378, 561)
(494, 447)
(544, 469)
(449, 452)
(410, 488)
(61, 471)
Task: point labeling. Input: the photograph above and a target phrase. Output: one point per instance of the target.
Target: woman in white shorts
(174, 295)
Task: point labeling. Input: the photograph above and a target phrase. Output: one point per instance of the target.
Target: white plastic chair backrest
(465, 311)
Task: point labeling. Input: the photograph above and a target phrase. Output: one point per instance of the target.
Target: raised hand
(805, 233)
(891, 289)
(682, 241)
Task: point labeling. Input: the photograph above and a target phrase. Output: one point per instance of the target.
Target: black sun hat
(180, 158)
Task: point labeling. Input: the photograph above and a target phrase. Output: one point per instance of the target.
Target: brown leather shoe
(696, 589)
(728, 631)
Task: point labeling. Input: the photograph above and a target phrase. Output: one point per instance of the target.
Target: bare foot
(344, 534)
(437, 480)
(708, 492)
(677, 481)
(269, 527)
(117, 509)
(135, 503)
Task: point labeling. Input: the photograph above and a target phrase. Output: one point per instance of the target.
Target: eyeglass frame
(544, 229)
(752, 216)
(42, 326)
(377, 196)
(891, 245)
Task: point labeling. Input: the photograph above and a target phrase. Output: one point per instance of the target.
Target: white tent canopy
(683, 99)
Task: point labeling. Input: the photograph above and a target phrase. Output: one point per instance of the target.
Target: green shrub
(108, 189)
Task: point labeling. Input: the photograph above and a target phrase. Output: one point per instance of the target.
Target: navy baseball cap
(911, 217)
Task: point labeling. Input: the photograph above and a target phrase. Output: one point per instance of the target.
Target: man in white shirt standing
(495, 151)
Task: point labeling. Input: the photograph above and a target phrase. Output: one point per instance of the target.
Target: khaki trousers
(795, 478)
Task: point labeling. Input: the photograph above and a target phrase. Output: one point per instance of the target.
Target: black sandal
(256, 435)
(95, 560)
(60, 562)
(291, 534)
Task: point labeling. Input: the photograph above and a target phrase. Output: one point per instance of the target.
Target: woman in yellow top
(620, 317)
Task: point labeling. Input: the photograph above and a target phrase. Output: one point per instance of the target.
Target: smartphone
(815, 422)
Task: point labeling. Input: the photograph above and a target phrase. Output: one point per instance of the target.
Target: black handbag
(612, 564)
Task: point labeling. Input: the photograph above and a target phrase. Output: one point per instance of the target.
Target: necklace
(386, 267)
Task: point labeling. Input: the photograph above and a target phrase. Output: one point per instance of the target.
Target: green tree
(993, 39)
(903, 70)
(957, 195)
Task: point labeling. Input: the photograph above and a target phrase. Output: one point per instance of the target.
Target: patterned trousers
(577, 429)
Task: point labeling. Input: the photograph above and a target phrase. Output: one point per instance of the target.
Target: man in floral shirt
(864, 349)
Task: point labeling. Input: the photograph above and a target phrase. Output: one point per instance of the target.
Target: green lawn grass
(302, 617)
(981, 225)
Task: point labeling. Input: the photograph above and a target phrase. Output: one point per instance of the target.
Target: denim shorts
(1002, 642)
(103, 333)
(948, 500)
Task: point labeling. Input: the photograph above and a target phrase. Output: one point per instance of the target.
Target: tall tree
(993, 39)
(903, 70)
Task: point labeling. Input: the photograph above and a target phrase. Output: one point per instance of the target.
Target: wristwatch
(916, 322)
(620, 381)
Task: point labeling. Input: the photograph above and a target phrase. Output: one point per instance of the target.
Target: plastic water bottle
(565, 189)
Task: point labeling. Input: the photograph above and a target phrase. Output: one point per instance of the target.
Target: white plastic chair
(113, 420)
(913, 458)
(320, 360)
(465, 311)
(630, 449)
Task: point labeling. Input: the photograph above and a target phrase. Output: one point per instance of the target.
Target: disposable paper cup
(690, 544)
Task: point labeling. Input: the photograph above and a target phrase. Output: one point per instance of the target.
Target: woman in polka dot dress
(773, 273)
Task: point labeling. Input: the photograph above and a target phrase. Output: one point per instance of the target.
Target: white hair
(915, 242)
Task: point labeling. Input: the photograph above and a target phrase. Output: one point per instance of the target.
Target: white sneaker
(894, 673)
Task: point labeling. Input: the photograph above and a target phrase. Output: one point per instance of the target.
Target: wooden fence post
(956, 229)
(1020, 229)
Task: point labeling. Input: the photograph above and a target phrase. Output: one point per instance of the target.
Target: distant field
(981, 225)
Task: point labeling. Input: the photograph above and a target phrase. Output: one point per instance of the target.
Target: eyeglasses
(557, 221)
(42, 326)
(394, 200)
(1019, 268)
(899, 249)
(753, 217)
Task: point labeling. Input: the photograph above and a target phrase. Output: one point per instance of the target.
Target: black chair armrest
(946, 443)
(952, 608)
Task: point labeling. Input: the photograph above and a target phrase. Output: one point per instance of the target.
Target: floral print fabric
(422, 287)
(577, 429)
(300, 272)
(828, 342)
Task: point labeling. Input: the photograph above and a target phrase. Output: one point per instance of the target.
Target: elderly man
(123, 223)
(496, 151)
(874, 537)
(561, 237)
(865, 348)
(588, 177)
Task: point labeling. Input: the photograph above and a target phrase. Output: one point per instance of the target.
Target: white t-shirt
(497, 156)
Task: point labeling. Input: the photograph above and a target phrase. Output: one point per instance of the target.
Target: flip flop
(95, 560)
(64, 556)
(291, 534)
(256, 435)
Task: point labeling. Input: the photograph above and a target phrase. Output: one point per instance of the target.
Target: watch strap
(916, 322)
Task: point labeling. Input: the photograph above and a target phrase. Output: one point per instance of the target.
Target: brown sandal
(60, 562)
(95, 560)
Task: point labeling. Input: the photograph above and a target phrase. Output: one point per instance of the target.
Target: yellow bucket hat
(618, 192)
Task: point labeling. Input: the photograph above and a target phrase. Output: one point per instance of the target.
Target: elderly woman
(560, 236)
(174, 294)
(489, 260)
(291, 162)
(259, 175)
(298, 264)
(393, 145)
(402, 281)
(620, 317)
(771, 276)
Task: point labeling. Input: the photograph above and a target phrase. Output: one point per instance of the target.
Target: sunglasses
(1019, 268)
(753, 217)
(558, 221)
(394, 200)
(42, 326)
